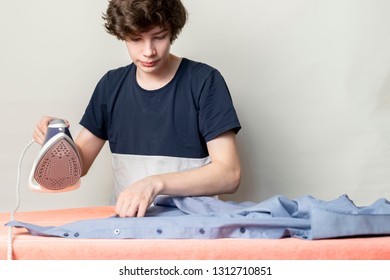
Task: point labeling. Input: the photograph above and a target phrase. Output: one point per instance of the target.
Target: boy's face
(150, 50)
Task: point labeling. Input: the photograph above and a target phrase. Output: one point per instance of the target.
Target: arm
(89, 147)
(221, 176)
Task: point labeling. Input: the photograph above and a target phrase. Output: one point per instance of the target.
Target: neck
(158, 79)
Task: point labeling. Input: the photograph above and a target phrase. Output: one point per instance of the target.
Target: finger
(67, 123)
(119, 205)
(38, 136)
(41, 126)
(132, 209)
(143, 206)
(44, 123)
(126, 207)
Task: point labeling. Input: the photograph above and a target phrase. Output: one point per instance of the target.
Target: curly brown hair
(124, 18)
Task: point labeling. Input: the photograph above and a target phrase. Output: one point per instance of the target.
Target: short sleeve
(95, 115)
(216, 111)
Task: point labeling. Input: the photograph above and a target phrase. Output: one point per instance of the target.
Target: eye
(135, 39)
(161, 37)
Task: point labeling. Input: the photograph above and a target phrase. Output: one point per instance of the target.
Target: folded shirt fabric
(209, 218)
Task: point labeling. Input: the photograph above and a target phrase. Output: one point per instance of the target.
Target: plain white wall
(310, 81)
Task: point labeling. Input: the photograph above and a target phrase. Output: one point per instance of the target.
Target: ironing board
(29, 247)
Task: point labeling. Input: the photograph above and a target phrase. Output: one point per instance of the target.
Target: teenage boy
(170, 121)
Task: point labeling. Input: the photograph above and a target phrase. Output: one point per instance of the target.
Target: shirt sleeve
(95, 115)
(216, 111)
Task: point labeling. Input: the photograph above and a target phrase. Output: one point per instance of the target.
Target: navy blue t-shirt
(176, 120)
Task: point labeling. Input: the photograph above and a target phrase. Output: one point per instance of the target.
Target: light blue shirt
(209, 218)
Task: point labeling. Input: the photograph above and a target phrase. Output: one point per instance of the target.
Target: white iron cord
(10, 241)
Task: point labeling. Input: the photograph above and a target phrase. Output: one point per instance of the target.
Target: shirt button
(76, 234)
(159, 231)
(242, 230)
(66, 234)
(117, 231)
(201, 231)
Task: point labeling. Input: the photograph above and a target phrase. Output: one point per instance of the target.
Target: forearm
(212, 179)
(89, 147)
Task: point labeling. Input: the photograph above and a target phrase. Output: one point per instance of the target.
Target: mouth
(149, 63)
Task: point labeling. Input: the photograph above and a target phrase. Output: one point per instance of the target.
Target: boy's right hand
(41, 128)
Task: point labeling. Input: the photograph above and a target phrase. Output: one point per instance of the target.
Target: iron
(58, 166)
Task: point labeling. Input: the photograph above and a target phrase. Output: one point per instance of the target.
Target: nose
(149, 49)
